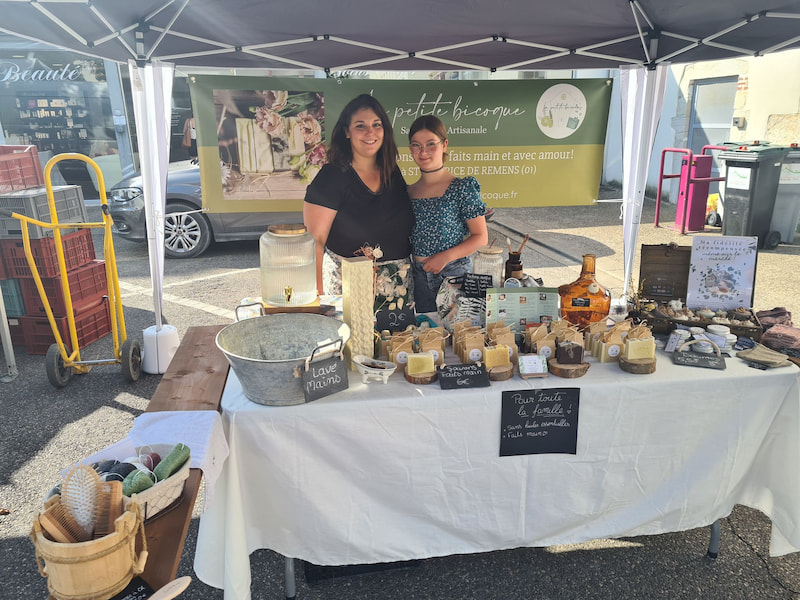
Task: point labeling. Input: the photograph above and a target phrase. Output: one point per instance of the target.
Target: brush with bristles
(60, 525)
(109, 507)
(79, 495)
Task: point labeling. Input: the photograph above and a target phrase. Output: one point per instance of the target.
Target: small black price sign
(539, 421)
(475, 285)
(137, 589)
(325, 376)
(395, 319)
(459, 377)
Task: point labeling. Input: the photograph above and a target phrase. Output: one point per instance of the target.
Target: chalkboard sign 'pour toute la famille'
(541, 421)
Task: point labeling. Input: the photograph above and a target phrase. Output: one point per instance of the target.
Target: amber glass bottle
(585, 300)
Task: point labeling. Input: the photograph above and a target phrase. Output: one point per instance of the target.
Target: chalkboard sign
(475, 285)
(539, 421)
(137, 589)
(324, 377)
(459, 377)
(696, 359)
(395, 320)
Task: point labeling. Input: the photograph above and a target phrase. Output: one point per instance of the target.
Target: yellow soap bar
(609, 351)
(497, 356)
(641, 348)
(419, 363)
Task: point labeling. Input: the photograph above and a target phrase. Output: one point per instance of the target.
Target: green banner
(538, 142)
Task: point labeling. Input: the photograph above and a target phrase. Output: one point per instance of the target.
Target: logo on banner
(561, 110)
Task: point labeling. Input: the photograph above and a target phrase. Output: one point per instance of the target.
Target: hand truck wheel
(131, 360)
(57, 372)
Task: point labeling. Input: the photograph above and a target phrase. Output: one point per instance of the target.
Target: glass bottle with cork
(585, 300)
(514, 268)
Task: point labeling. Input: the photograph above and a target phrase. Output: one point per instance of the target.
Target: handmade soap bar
(497, 356)
(569, 353)
(610, 350)
(641, 348)
(420, 363)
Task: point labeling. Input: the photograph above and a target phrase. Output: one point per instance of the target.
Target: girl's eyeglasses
(429, 146)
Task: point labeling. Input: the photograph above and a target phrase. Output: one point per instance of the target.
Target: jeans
(426, 285)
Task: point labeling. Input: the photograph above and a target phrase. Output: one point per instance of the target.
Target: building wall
(767, 100)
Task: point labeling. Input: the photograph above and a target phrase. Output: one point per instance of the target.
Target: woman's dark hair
(432, 124)
(340, 152)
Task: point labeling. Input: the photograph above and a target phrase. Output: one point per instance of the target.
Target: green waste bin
(752, 173)
(786, 213)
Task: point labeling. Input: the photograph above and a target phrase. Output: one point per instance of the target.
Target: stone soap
(497, 356)
(420, 363)
(641, 348)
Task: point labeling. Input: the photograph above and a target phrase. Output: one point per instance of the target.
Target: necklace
(432, 170)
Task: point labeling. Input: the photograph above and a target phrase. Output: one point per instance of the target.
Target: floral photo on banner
(270, 141)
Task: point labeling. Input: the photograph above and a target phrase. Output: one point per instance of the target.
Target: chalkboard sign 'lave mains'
(325, 377)
(539, 421)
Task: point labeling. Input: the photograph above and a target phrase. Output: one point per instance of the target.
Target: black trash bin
(786, 214)
(752, 173)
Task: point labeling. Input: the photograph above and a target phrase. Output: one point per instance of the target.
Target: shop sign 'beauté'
(12, 72)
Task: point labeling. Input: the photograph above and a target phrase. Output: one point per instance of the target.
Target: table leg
(289, 587)
(713, 544)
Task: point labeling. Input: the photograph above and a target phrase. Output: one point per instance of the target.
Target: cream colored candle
(358, 298)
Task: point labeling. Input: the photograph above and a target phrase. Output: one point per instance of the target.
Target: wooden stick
(525, 241)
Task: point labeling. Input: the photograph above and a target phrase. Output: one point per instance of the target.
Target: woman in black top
(358, 204)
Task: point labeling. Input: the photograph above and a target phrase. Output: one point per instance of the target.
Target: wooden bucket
(93, 570)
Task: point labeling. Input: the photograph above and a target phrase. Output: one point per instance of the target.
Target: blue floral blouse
(441, 223)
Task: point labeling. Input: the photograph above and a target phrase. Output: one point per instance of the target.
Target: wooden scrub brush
(60, 525)
(79, 495)
(109, 507)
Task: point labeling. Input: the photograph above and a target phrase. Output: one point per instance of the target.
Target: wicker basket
(155, 499)
(97, 569)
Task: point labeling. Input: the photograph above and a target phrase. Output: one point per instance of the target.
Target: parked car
(188, 232)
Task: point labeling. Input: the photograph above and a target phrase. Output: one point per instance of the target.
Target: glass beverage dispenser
(288, 266)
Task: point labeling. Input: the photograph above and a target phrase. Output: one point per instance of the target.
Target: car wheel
(185, 235)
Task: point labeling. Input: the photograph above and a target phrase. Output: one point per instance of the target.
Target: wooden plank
(166, 533)
(195, 380)
(196, 376)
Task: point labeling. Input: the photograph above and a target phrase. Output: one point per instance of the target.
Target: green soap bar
(136, 481)
(172, 462)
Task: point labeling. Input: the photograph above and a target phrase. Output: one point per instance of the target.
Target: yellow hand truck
(60, 363)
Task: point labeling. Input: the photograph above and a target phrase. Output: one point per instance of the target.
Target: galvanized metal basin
(268, 353)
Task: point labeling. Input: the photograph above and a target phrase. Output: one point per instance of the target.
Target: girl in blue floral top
(448, 212)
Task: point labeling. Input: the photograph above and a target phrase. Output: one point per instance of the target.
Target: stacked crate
(21, 191)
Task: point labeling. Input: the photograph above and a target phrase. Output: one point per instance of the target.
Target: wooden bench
(194, 380)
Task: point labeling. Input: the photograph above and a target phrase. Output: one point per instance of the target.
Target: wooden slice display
(568, 371)
(501, 373)
(420, 378)
(638, 366)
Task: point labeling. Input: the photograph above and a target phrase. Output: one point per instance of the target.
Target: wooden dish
(420, 378)
(638, 366)
(567, 371)
(501, 373)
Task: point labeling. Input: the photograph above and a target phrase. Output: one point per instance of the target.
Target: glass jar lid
(287, 229)
(490, 249)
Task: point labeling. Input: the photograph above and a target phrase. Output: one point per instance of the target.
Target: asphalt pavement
(44, 430)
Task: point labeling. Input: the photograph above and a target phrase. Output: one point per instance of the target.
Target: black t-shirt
(364, 217)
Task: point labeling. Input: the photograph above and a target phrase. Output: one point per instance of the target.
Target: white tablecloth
(393, 472)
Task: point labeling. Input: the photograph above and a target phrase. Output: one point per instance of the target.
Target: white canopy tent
(420, 35)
